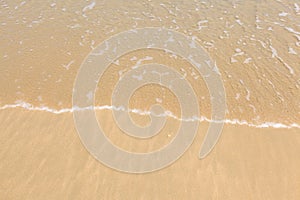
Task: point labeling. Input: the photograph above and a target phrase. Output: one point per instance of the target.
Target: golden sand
(43, 158)
(256, 46)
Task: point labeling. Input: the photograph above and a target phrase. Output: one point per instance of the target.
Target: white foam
(28, 106)
(140, 61)
(275, 55)
(282, 14)
(200, 24)
(67, 66)
(248, 94)
(233, 60)
(89, 7)
(296, 34)
(239, 22)
(292, 30)
(247, 60)
(292, 51)
(297, 7)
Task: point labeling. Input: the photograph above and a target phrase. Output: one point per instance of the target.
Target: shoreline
(30, 107)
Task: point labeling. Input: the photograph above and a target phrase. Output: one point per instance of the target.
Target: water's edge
(30, 107)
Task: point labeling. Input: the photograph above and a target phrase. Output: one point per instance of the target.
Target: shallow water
(256, 46)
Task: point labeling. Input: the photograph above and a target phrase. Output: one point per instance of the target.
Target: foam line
(29, 106)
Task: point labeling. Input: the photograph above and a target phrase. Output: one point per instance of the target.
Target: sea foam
(28, 106)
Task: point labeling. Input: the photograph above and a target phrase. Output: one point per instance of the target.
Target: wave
(31, 107)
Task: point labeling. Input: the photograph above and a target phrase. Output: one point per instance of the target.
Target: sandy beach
(255, 45)
(43, 158)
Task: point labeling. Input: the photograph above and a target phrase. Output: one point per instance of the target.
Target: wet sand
(43, 158)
